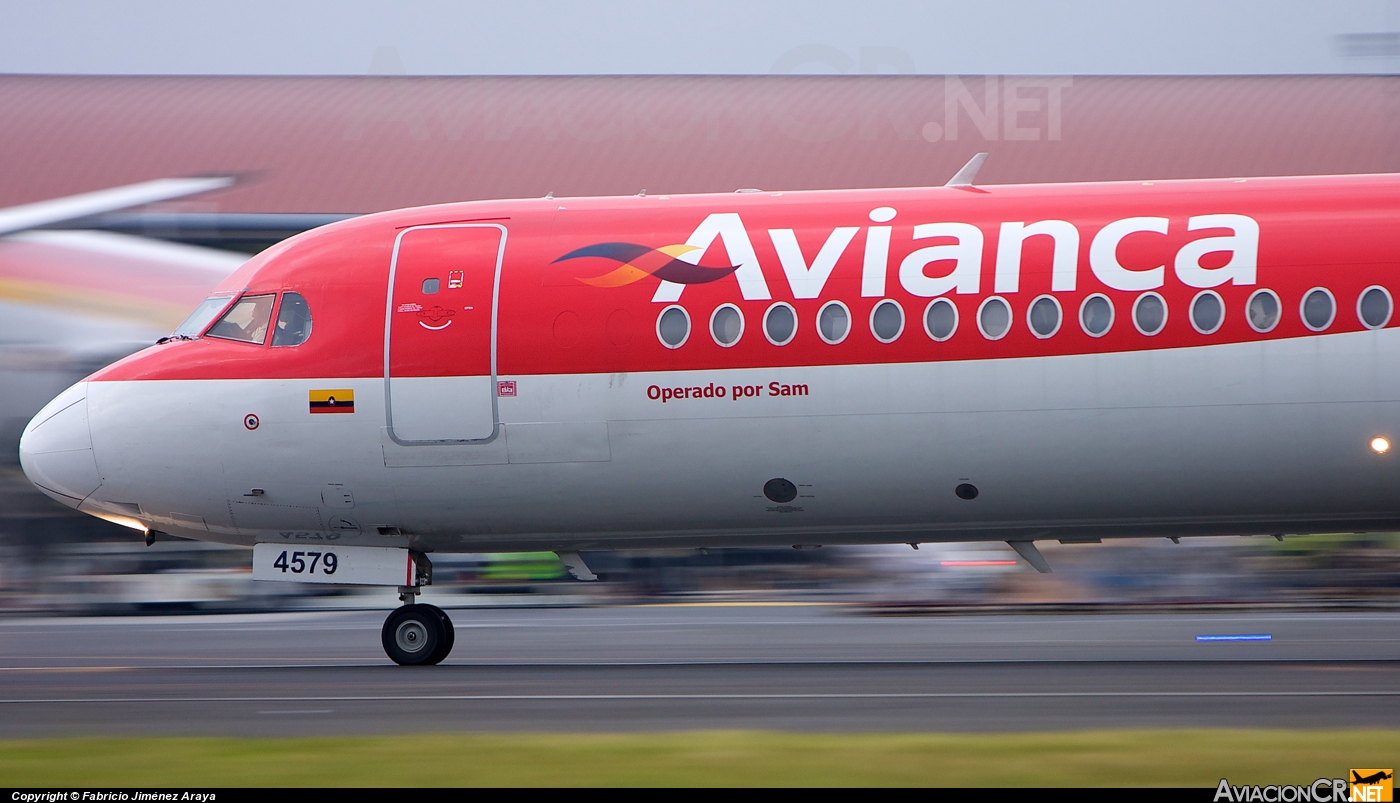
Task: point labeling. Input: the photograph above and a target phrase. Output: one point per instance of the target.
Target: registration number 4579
(307, 562)
(361, 565)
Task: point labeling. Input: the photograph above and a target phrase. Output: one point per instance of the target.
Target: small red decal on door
(440, 318)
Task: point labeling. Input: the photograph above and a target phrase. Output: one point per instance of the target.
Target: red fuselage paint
(1333, 232)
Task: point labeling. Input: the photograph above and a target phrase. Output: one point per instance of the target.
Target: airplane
(1373, 778)
(1011, 363)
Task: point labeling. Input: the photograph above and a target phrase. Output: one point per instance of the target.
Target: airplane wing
(72, 301)
(101, 277)
(73, 207)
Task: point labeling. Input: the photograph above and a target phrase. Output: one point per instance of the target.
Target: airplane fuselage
(906, 365)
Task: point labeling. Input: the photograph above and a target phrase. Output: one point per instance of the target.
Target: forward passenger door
(440, 333)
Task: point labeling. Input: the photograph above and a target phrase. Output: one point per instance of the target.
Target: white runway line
(776, 696)
(362, 663)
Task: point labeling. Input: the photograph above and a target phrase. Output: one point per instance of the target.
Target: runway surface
(811, 668)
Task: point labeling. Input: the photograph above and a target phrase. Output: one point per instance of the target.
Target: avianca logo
(639, 262)
(953, 265)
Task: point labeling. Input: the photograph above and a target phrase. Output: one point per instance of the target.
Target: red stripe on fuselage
(1336, 232)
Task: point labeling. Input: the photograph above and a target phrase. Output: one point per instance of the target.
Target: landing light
(1380, 445)
(125, 521)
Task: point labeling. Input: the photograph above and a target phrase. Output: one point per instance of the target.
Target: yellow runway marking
(733, 604)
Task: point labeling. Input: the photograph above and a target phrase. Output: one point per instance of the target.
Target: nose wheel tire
(416, 635)
(449, 635)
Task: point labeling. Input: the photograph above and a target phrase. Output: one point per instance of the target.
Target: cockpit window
(293, 321)
(246, 320)
(202, 315)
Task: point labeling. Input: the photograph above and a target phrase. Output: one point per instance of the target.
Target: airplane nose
(55, 450)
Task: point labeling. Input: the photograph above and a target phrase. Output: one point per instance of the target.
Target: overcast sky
(319, 37)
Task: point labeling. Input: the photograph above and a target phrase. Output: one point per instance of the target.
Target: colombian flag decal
(332, 401)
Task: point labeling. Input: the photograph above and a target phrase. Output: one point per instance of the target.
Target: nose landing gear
(417, 635)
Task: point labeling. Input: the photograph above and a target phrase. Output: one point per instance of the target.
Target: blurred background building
(88, 277)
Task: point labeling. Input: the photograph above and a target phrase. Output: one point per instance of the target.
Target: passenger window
(780, 323)
(1263, 311)
(833, 322)
(994, 318)
(1149, 313)
(887, 321)
(1044, 317)
(940, 319)
(1207, 312)
(1373, 308)
(430, 286)
(673, 327)
(1318, 309)
(1096, 315)
(727, 325)
(246, 321)
(293, 321)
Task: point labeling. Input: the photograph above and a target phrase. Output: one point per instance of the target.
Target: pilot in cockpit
(247, 320)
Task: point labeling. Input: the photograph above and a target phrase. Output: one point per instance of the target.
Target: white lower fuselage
(1255, 437)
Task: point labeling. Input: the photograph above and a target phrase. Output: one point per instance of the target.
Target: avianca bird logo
(639, 262)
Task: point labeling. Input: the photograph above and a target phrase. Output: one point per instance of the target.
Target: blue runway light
(1238, 637)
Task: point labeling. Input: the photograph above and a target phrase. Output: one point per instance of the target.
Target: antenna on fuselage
(968, 173)
(1026, 549)
(549, 195)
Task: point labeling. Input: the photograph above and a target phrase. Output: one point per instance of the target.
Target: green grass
(1089, 758)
